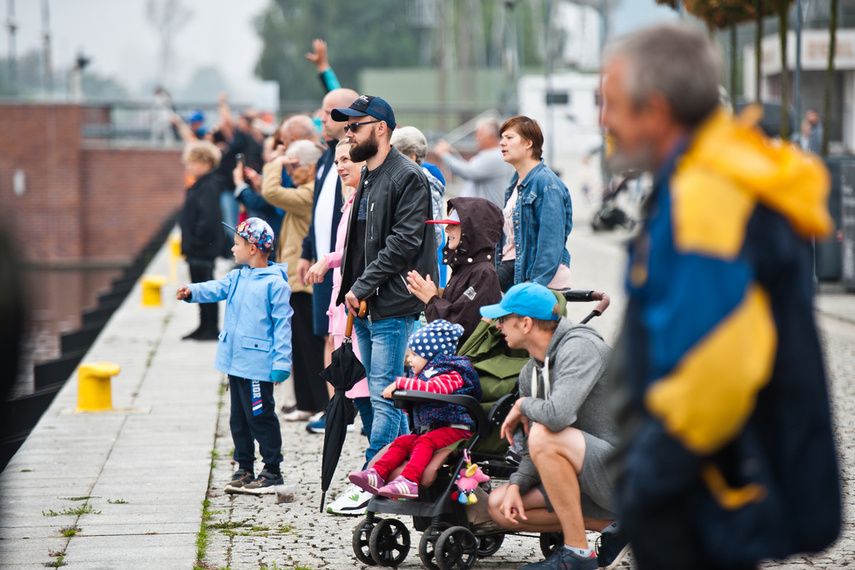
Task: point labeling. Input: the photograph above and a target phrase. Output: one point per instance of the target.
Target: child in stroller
(439, 425)
(454, 536)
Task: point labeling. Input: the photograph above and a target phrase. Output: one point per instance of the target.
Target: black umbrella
(343, 373)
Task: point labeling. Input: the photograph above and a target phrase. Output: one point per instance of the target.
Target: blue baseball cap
(366, 105)
(195, 116)
(526, 300)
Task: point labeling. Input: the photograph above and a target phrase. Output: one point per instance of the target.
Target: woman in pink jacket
(354, 500)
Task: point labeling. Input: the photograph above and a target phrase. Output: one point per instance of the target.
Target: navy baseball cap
(366, 105)
(526, 300)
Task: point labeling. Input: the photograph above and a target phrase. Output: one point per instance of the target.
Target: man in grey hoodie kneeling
(562, 482)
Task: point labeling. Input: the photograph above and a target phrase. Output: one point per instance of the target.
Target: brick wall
(84, 202)
(128, 193)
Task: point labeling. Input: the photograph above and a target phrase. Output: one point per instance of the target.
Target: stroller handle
(578, 295)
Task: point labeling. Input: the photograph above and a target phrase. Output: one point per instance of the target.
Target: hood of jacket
(566, 329)
(275, 269)
(480, 226)
(777, 174)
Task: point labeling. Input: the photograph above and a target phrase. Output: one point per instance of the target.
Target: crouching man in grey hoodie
(562, 482)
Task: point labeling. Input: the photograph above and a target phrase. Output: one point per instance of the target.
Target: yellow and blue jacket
(725, 367)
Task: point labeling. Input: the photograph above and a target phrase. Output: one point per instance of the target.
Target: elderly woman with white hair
(411, 142)
(308, 349)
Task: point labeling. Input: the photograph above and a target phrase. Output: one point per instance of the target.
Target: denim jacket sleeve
(549, 206)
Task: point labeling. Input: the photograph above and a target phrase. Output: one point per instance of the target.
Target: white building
(571, 122)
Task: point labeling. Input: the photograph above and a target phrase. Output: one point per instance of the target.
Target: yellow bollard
(174, 256)
(93, 386)
(151, 285)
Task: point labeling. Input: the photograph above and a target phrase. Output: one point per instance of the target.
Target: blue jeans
(366, 412)
(229, 209)
(383, 346)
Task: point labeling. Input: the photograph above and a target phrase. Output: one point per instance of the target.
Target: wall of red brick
(128, 193)
(84, 202)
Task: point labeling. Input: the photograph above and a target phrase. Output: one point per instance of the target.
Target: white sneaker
(296, 416)
(316, 417)
(352, 502)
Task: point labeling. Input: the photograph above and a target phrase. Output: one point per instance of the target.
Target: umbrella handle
(348, 329)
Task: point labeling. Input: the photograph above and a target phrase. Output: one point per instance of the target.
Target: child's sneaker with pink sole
(400, 488)
(368, 480)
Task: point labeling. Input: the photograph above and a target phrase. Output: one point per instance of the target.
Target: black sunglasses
(352, 127)
(501, 320)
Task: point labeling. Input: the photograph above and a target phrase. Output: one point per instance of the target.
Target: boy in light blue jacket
(254, 349)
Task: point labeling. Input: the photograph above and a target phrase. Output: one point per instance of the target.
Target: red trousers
(420, 449)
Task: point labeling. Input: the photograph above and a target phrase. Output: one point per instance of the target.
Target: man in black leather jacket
(386, 238)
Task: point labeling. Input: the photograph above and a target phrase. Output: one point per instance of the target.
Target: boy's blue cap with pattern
(437, 337)
(256, 231)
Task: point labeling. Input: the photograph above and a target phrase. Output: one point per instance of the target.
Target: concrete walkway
(132, 480)
(130, 484)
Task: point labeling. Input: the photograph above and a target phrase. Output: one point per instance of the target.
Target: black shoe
(240, 479)
(563, 559)
(611, 547)
(264, 483)
(192, 335)
(207, 335)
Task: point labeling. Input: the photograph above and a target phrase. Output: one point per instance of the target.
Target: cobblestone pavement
(255, 532)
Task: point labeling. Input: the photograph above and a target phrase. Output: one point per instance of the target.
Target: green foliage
(376, 34)
(69, 531)
(83, 510)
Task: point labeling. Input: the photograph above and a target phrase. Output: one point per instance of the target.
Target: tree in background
(721, 14)
(379, 34)
(167, 17)
(829, 77)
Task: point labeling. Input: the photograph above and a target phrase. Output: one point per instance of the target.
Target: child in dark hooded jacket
(437, 370)
(473, 226)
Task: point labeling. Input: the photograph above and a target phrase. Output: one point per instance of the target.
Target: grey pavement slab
(153, 460)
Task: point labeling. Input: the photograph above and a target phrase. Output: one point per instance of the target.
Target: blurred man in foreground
(729, 457)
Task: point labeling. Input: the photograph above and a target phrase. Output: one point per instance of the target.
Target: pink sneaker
(368, 480)
(400, 488)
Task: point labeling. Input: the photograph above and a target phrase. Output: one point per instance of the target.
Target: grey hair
(410, 140)
(491, 125)
(301, 127)
(676, 60)
(307, 152)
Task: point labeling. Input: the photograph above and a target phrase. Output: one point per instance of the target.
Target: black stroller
(611, 215)
(449, 541)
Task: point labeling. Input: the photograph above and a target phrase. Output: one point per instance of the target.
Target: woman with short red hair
(538, 212)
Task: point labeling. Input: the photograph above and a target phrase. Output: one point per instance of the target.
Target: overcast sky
(122, 44)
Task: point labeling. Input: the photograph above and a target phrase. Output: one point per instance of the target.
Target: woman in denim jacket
(538, 213)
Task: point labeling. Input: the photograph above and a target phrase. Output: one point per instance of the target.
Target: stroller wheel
(456, 549)
(427, 547)
(389, 542)
(361, 535)
(489, 544)
(549, 541)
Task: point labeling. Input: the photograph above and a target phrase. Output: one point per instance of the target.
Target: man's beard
(360, 152)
